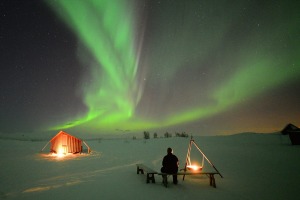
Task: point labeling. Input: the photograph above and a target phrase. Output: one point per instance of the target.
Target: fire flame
(194, 167)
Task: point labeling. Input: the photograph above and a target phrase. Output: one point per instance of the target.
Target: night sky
(123, 66)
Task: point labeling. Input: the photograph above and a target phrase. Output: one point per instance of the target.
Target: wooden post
(207, 159)
(188, 160)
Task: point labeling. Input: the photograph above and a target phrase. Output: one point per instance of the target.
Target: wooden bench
(212, 180)
(150, 172)
(141, 168)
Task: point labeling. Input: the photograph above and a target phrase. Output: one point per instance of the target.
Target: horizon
(120, 136)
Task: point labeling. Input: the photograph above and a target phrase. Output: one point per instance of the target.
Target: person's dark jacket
(170, 164)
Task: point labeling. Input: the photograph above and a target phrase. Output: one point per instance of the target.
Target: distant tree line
(166, 135)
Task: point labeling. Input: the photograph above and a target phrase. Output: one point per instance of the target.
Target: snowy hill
(254, 166)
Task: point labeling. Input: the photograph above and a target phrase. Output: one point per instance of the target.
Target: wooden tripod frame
(188, 160)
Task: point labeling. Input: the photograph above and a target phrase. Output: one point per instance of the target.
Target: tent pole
(45, 146)
(89, 149)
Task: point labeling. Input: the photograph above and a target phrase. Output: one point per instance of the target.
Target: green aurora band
(113, 93)
(107, 30)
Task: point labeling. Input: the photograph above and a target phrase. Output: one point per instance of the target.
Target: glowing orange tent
(63, 143)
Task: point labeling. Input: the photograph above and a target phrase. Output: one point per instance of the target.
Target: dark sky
(111, 66)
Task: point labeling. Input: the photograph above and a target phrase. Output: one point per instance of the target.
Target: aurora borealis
(105, 29)
(203, 67)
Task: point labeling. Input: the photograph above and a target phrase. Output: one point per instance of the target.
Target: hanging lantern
(192, 166)
(189, 165)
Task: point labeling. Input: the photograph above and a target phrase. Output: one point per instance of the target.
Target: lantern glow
(61, 152)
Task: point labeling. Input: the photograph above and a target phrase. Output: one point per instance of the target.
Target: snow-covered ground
(254, 166)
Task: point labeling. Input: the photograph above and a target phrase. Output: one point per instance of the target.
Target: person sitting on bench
(170, 164)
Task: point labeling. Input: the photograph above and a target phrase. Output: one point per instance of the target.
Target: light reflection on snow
(45, 188)
(72, 179)
(67, 156)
